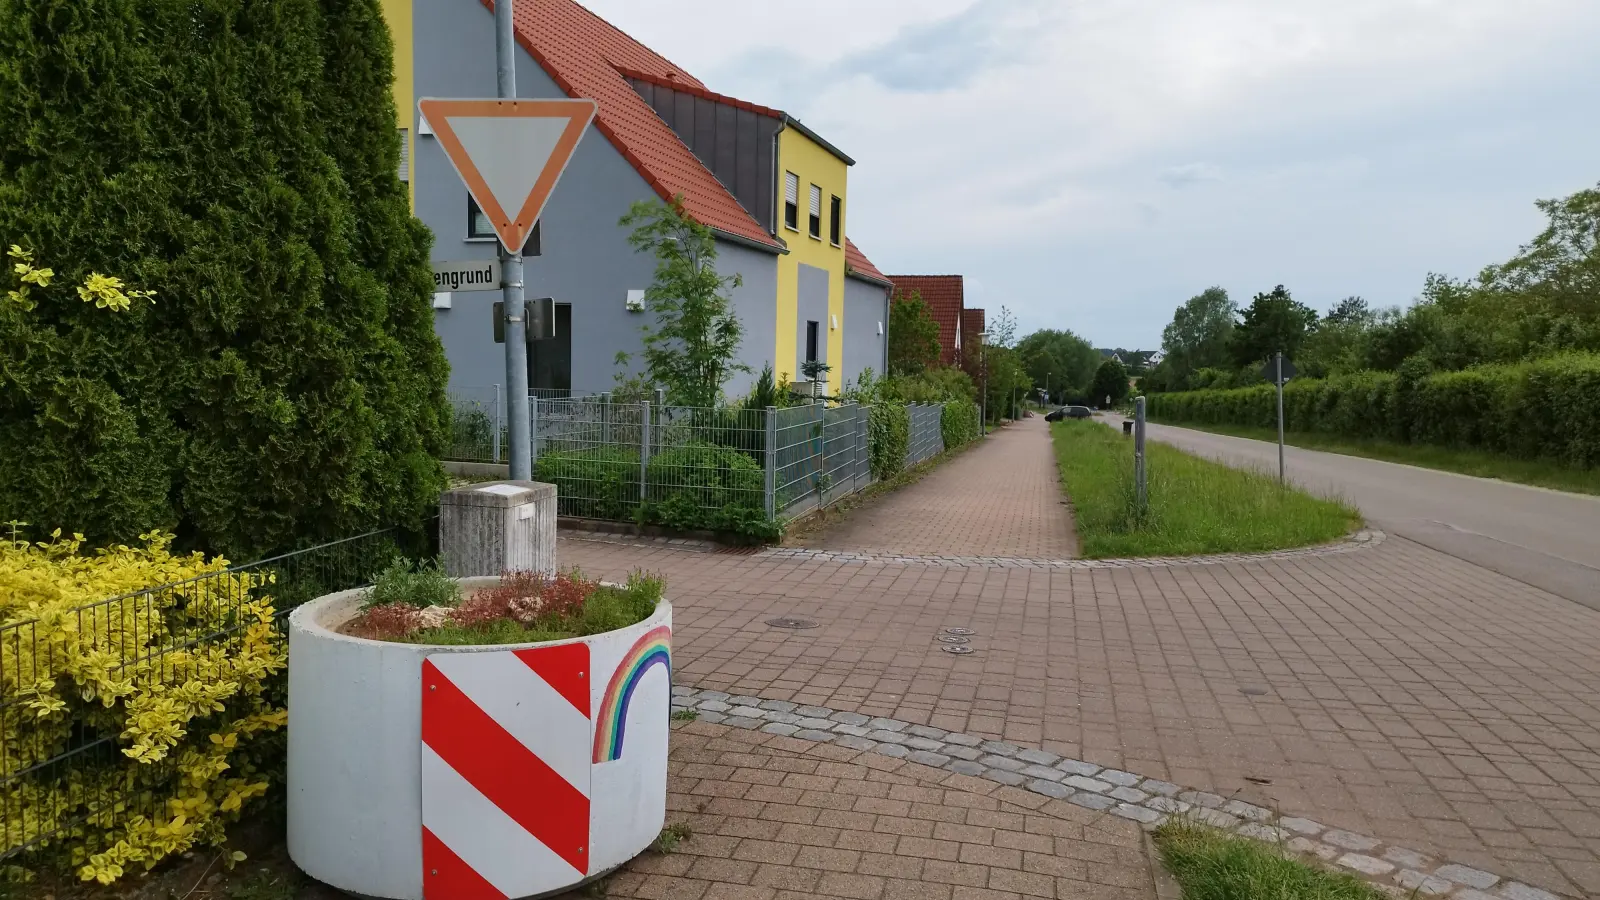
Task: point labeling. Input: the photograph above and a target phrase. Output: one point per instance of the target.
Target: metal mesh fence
(54, 783)
(687, 467)
(927, 433)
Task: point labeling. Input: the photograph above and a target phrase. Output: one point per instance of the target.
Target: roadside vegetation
(1539, 473)
(1211, 865)
(1194, 505)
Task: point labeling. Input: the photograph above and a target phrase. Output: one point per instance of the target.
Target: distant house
(1155, 358)
(945, 296)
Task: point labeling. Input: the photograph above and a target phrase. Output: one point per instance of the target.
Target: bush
(287, 384)
(888, 438)
(704, 486)
(1540, 409)
(958, 423)
(183, 710)
(597, 483)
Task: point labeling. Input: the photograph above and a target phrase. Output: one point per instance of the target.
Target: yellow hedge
(176, 679)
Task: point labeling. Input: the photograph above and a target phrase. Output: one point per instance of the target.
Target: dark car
(1069, 412)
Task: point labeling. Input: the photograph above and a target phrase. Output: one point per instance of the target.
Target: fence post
(605, 418)
(1141, 497)
(861, 447)
(497, 423)
(771, 466)
(644, 449)
(533, 431)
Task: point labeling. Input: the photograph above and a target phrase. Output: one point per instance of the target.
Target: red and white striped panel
(506, 746)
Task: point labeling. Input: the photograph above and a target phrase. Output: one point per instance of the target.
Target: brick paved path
(1393, 691)
(1001, 498)
(774, 818)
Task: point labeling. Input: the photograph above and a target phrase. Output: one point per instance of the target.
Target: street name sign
(466, 275)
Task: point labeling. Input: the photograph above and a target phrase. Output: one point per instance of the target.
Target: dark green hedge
(958, 423)
(888, 438)
(1542, 409)
(240, 158)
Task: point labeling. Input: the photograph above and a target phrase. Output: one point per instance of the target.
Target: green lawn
(1195, 505)
(1210, 865)
(1465, 462)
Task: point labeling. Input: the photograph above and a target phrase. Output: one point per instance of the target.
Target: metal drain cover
(956, 649)
(959, 631)
(952, 639)
(793, 623)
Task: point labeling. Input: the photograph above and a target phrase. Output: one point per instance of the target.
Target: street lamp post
(983, 380)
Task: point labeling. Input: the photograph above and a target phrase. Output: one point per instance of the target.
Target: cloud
(1189, 174)
(1070, 155)
(948, 53)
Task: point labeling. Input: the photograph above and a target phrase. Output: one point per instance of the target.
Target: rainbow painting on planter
(652, 649)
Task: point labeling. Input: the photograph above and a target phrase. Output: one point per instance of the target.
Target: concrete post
(502, 526)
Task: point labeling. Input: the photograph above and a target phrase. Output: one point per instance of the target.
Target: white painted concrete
(355, 751)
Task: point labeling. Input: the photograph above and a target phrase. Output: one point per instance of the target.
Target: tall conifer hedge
(240, 158)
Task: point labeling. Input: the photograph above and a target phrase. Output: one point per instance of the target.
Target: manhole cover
(793, 623)
(956, 649)
(959, 631)
(952, 639)
(1253, 691)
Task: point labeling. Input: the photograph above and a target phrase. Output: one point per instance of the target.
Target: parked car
(1069, 412)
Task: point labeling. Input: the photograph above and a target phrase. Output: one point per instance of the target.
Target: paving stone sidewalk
(1001, 498)
(1393, 691)
(776, 818)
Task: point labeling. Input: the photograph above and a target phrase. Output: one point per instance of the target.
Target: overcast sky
(1093, 163)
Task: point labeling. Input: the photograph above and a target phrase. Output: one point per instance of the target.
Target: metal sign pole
(511, 265)
(1141, 495)
(1279, 380)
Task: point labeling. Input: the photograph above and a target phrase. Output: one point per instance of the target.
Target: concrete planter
(433, 773)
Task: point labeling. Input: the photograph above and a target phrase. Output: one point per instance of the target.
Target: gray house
(772, 191)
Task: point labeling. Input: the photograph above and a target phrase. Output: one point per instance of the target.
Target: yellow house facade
(814, 197)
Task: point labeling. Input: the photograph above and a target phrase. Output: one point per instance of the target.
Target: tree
(1060, 361)
(287, 385)
(691, 346)
(1272, 322)
(1198, 335)
(913, 336)
(1110, 380)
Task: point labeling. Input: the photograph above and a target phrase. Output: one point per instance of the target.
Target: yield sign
(509, 152)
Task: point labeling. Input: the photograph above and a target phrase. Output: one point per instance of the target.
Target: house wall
(814, 289)
(585, 257)
(866, 308)
(397, 14)
(814, 165)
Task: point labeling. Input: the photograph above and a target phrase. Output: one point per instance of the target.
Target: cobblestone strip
(1358, 541)
(694, 545)
(1394, 869)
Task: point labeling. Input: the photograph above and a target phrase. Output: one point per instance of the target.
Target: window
(816, 212)
(836, 221)
(811, 341)
(791, 200)
(480, 228)
(405, 157)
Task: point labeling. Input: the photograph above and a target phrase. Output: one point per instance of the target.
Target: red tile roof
(856, 263)
(945, 296)
(583, 53)
(702, 92)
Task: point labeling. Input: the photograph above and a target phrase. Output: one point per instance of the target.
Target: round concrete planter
(430, 773)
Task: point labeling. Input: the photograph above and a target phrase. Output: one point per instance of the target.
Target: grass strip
(1211, 865)
(1536, 472)
(1195, 505)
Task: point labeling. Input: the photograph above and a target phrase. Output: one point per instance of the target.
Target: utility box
(498, 527)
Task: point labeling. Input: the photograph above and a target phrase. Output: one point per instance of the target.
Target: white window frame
(816, 214)
(791, 198)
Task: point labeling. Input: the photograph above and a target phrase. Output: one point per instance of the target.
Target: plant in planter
(448, 737)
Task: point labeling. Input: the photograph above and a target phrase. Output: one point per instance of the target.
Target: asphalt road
(1548, 539)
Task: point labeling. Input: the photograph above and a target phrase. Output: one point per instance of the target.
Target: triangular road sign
(509, 152)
